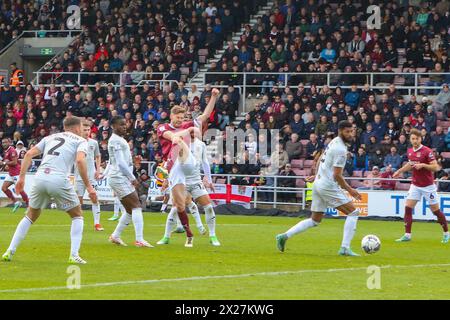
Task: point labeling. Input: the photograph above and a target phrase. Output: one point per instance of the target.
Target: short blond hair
(70, 122)
(415, 132)
(177, 110)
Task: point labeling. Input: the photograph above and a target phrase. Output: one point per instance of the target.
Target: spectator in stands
(438, 140)
(371, 182)
(387, 184)
(442, 101)
(297, 124)
(376, 158)
(313, 147)
(352, 97)
(444, 186)
(436, 79)
(294, 147)
(402, 145)
(287, 182)
(430, 119)
(379, 127)
(225, 111)
(361, 160)
(279, 156)
(393, 159)
(348, 169)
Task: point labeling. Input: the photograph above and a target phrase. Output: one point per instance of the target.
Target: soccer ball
(370, 244)
(53, 205)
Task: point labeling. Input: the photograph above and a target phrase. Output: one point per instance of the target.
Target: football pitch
(246, 266)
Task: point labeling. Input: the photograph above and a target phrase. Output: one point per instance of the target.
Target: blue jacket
(352, 99)
(394, 160)
(379, 130)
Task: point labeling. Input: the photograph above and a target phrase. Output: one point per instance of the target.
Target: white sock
(301, 227)
(76, 234)
(117, 205)
(21, 231)
(138, 222)
(196, 214)
(122, 209)
(349, 229)
(210, 217)
(96, 212)
(170, 222)
(124, 221)
(163, 206)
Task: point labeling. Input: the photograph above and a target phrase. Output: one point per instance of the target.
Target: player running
(423, 164)
(123, 183)
(328, 191)
(196, 189)
(93, 161)
(11, 159)
(60, 152)
(171, 137)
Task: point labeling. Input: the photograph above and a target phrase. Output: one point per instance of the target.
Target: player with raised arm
(196, 188)
(423, 164)
(171, 137)
(328, 191)
(123, 183)
(93, 161)
(60, 151)
(11, 159)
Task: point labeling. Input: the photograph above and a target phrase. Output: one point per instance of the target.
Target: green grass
(248, 247)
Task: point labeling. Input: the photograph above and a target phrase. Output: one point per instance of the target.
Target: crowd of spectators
(320, 37)
(139, 38)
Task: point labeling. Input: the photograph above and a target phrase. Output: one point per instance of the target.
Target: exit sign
(46, 51)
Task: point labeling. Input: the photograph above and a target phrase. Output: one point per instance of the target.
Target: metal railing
(270, 193)
(82, 78)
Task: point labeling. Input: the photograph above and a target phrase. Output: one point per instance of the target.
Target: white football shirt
(93, 152)
(118, 145)
(335, 155)
(59, 152)
(198, 150)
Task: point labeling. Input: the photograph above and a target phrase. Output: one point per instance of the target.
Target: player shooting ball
(171, 137)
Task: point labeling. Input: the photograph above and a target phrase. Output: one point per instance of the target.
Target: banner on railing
(224, 193)
(227, 193)
(392, 204)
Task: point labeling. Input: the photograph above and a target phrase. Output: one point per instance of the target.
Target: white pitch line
(150, 225)
(230, 276)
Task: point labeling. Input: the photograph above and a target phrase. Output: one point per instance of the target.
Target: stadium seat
(297, 163)
(308, 163)
(304, 142)
(300, 173)
(356, 183)
(445, 155)
(300, 183)
(402, 186)
(357, 174)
